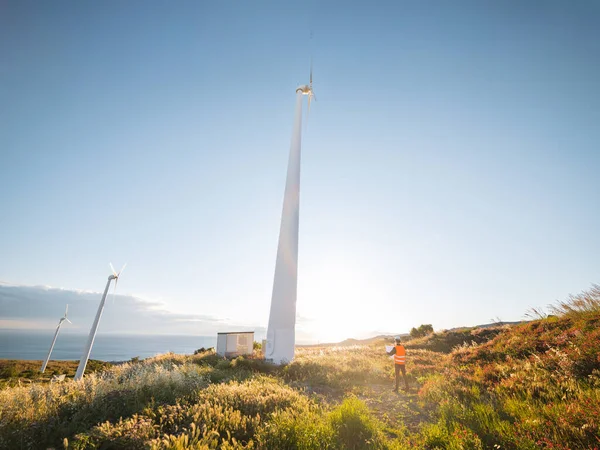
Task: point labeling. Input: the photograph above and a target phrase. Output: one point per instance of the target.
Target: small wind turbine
(92, 336)
(60, 322)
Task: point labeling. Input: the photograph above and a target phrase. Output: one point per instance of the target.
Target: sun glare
(340, 301)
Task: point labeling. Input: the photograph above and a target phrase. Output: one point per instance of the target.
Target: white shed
(235, 343)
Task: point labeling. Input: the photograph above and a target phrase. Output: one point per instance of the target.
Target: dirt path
(393, 408)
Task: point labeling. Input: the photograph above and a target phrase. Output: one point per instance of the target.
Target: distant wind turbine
(90, 342)
(281, 332)
(60, 322)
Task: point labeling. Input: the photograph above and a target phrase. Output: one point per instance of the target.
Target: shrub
(446, 341)
(423, 330)
(456, 437)
(305, 429)
(10, 371)
(42, 415)
(354, 427)
(203, 350)
(221, 415)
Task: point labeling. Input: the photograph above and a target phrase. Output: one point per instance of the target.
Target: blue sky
(449, 165)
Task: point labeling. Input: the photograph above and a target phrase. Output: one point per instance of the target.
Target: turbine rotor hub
(305, 89)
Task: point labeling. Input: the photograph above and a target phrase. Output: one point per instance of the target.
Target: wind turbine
(60, 322)
(90, 342)
(281, 331)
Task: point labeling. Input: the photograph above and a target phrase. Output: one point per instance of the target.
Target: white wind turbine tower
(281, 331)
(60, 322)
(90, 342)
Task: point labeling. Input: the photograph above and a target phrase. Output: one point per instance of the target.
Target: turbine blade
(68, 320)
(122, 269)
(311, 65)
(113, 269)
(66, 310)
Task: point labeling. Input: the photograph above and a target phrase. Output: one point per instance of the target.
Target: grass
(15, 372)
(447, 341)
(528, 386)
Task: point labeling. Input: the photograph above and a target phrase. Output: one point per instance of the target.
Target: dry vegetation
(534, 385)
(16, 372)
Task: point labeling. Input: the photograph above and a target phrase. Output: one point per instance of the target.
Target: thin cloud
(40, 307)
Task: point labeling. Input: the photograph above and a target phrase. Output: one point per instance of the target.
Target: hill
(459, 335)
(527, 386)
(13, 372)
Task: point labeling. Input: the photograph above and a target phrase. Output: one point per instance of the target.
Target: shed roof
(236, 332)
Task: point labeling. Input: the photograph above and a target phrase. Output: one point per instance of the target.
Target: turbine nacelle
(305, 89)
(63, 318)
(115, 275)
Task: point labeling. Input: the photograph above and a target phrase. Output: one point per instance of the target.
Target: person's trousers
(400, 368)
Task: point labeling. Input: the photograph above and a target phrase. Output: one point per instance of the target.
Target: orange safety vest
(400, 356)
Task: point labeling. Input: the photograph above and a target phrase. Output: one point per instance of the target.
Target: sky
(449, 166)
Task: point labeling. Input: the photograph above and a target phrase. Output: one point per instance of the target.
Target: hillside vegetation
(529, 386)
(14, 372)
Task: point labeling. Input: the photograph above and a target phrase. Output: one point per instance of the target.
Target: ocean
(19, 344)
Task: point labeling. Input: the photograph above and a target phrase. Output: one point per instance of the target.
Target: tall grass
(45, 413)
(582, 304)
(259, 413)
(534, 385)
(339, 367)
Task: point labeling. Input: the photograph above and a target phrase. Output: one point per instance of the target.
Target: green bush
(224, 414)
(10, 371)
(305, 429)
(354, 427)
(456, 437)
(223, 364)
(255, 365)
(209, 358)
(423, 330)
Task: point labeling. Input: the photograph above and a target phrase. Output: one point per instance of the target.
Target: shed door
(232, 343)
(242, 343)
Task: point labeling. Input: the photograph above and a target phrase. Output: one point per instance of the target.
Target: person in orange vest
(399, 353)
